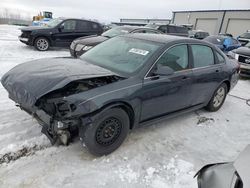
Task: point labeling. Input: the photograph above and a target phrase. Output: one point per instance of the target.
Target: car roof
(162, 38)
(63, 18)
(131, 28)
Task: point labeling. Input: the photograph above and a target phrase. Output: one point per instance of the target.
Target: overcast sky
(113, 10)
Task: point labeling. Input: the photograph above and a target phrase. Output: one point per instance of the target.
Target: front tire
(42, 44)
(218, 98)
(107, 132)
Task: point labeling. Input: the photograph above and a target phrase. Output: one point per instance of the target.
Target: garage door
(238, 26)
(208, 25)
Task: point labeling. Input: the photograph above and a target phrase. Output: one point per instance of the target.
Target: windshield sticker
(138, 51)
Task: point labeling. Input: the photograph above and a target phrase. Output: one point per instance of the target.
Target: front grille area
(25, 34)
(244, 59)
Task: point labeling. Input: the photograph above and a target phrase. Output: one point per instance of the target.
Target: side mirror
(164, 70)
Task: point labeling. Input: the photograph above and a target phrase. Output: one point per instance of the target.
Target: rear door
(207, 72)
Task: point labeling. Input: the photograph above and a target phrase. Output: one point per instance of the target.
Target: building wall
(234, 22)
(145, 21)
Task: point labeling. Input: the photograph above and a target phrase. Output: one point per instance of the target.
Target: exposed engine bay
(55, 124)
(81, 86)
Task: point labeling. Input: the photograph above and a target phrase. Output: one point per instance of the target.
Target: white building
(234, 22)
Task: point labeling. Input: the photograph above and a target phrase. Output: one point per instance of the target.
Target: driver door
(163, 94)
(66, 33)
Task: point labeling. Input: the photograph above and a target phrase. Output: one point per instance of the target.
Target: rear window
(203, 56)
(172, 29)
(181, 30)
(83, 25)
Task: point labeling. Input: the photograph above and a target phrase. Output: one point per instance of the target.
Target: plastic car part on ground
(226, 175)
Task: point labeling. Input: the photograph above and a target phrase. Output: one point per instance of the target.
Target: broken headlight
(64, 108)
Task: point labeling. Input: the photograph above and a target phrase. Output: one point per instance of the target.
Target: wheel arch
(126, 107)
(227, 82)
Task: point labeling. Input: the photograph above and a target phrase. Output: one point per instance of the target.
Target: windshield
(115, 32)
(53, 22)
(121, 54)
(215, 40)
(245, 35)
(248, 45)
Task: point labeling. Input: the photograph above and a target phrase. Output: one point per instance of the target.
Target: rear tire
(218, 98)
(107, 132)
(41, 44)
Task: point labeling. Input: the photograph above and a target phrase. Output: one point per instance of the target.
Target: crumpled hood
(29, 81)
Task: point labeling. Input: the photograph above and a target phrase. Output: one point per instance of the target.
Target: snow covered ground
(163, 155)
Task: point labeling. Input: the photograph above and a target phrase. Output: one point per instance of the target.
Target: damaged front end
(52, 89)
(57, 115)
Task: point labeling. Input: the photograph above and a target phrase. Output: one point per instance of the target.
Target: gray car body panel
(224, 175)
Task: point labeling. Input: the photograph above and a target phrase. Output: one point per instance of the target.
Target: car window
(215, 40)
(181, 30)
(69, 25)
(83, 26)
(172, 29)
(245, 35)
(122, 54)
(95, 26)
(163, 28)
(220, 58)
(202, 56)
(176, 58)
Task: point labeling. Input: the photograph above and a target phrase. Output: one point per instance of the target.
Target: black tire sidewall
(90, 132)
(210, 106)
(35, 43)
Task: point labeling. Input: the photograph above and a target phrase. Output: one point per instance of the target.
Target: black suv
(83, 44)
(59, 33)
(170, 29)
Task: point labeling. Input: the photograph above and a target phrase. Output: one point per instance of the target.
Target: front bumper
(245, 70)
(23, 40)
(53, 128)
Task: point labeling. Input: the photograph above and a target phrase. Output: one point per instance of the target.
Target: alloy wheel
(42, 44)
(219, 97)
